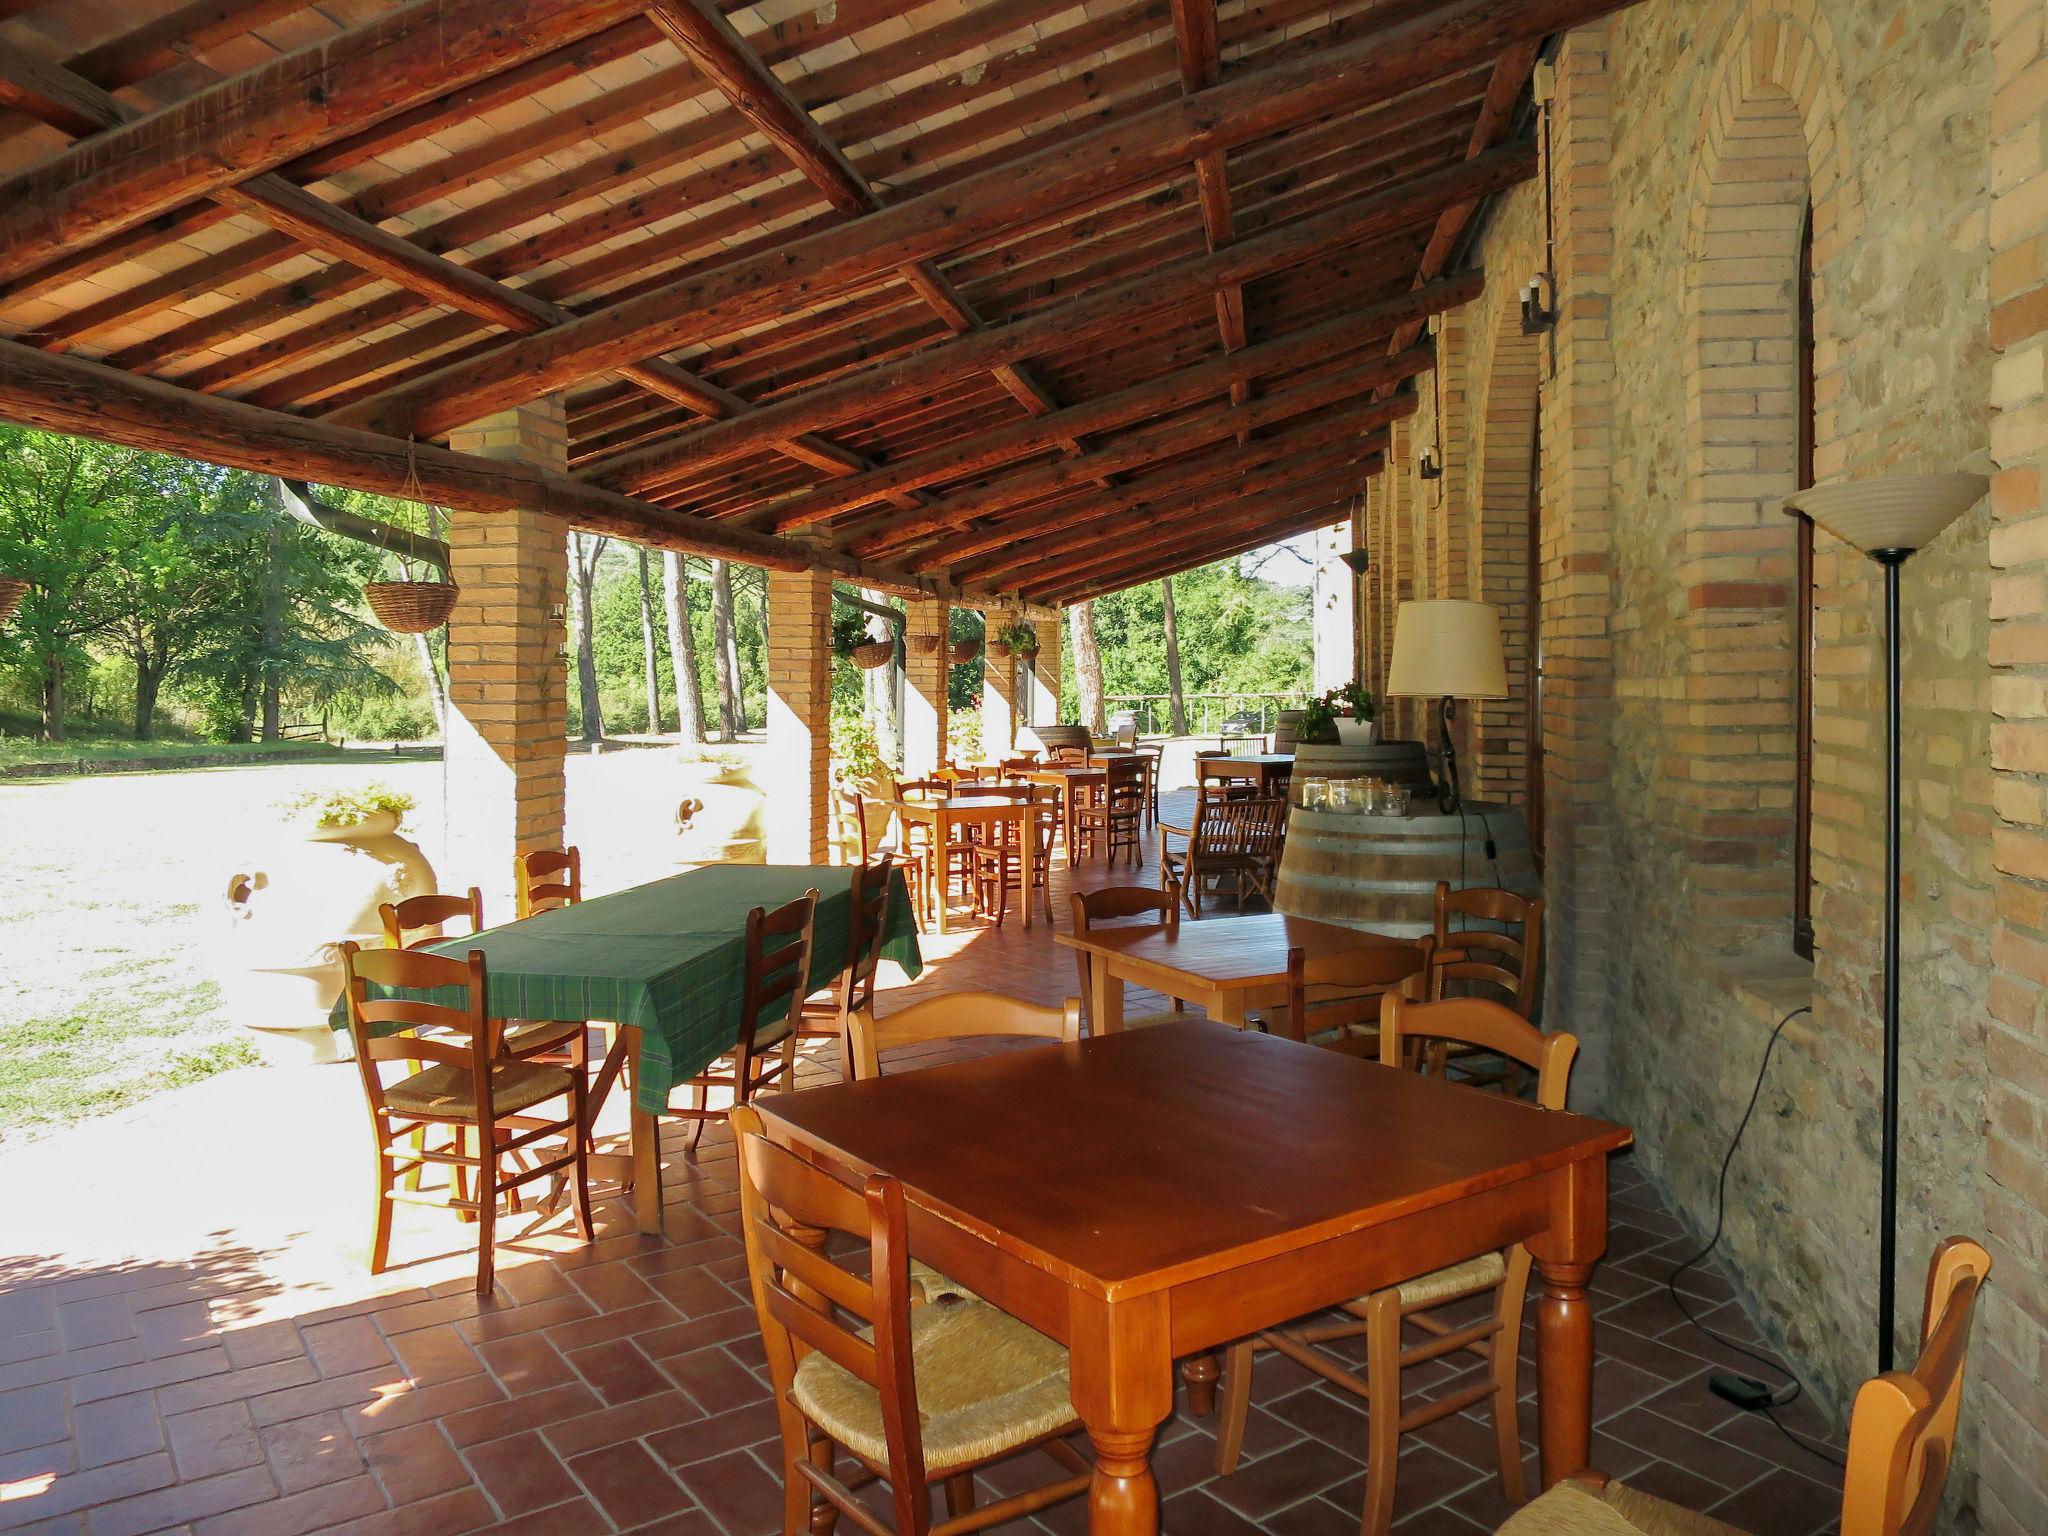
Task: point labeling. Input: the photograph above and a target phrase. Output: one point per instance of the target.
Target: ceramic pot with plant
(730, 824)
(335, 857)
(1352, 709)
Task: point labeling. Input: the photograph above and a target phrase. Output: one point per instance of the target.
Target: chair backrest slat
(867, 927)
(1504, 961)
(959, 1016)
(384, 1027)
(778, 967)
(1113, 904)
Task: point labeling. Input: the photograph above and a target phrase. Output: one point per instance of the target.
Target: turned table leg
(1565, 1255)
(1122, 1370)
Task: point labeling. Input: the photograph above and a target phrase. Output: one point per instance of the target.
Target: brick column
(2011, 1359)
(924, 689)
(998, 695)
(796, 770)
(507, 689)
(1577, 564)
(1045, 672)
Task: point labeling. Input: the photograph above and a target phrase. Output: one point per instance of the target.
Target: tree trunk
(582, 588)
(273, 627)
(650, 661)
(1176, 701)
(149, 680)
(682, 647)
(53, 696)
(245, 720)
(726, 661)
(1088, 668)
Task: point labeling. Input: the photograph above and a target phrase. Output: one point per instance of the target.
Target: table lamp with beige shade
(1447, 649)
(1888, 517)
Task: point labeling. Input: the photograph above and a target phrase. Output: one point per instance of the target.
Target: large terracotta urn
(729, 824)
(289, 905)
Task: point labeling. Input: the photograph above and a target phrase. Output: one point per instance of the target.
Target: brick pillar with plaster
(508, 717)
(998, 694)
(1045, 671)
(925, 677)
(796, 771)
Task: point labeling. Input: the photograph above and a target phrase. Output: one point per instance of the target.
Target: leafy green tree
(66, 507)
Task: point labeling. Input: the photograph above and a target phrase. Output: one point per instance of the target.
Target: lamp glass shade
(1890, 511)
(1447, 648)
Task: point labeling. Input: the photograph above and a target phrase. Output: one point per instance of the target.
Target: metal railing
(1209, 714)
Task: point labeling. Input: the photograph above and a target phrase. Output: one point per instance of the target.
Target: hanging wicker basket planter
(411, 607)
(999, 649)
(922, 645)
(965, 651)
(12, 590)
(873, 654)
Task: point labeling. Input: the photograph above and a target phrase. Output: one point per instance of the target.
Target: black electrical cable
(1713, 1242)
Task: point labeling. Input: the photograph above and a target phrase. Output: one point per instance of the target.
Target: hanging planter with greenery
(873, 654)
(413, 605)
(848, 634)
(12, 590)
(1015, 640)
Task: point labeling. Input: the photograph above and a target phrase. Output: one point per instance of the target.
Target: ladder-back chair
(777, 978)
(456, 1081)
(1335, 1000)
(419, 921)
(1378, 1317)
(914, 1397)
(1234, 838)
(1118, 905)
(544, 879)
(827, 1015)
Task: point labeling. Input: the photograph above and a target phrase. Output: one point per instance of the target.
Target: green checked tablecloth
(669, 957)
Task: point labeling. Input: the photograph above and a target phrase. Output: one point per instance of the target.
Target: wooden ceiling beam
(1237, 469)
(126, 175)
(1105, 316)
(1131, 150)
(1201, 66)
(1140, 402)
(711, 42)
(961, 508)
(1226, 520)
(1062, 594)
(68, 394)
(77, 105)
(1210, 505)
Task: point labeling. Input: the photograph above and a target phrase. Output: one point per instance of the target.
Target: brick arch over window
(1769, 151)
(1505, 484)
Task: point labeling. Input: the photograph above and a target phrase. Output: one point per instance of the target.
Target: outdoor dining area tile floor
(269, 1384)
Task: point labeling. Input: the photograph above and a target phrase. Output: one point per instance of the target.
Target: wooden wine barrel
(1380, 872)
(1286, 730)
(1398, 762)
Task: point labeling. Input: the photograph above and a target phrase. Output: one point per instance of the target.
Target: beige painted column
(1045, 672)
(924, 688)
(998, 695)
(796, 771)
(507, 688)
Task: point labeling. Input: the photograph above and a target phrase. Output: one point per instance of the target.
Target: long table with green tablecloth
(669, 958)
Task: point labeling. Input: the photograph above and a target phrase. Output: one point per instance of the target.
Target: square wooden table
(946, 817)
(1264, 769)
(1160, 1193)
(1226, 964)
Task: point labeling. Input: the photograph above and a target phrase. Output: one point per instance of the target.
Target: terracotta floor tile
(210, 1440)
(520, 1473)
(32, 1416)
(116, 1428)
(618, 1372)
(630, 1485)
(529, 1411)
(414, 1461)
(1782, 1501)
(93, 1488)
(311, 1510)
(182, 1503)
(753, 1425)
(306, 1453)
(430, 1355)
(446, 1514)
(637, 1420)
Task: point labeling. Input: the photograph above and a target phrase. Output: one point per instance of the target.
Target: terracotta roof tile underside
(1016, 299)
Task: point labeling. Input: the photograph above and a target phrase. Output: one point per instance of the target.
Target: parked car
(1246, 722)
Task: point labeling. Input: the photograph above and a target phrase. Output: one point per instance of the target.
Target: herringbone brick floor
(190, 1342)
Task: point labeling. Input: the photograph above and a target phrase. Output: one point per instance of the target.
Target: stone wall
(1684, 145)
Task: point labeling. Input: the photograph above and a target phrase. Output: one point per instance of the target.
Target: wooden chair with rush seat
(1902, 1435)
(852, 991)
(959, 1016)
(1111, 817)
(854, 806)
(777, 977)
(1119, 904)
(1494, 952)
(914, 1397)
(419, 921)
(546, 878)
(998, 857)
(1232, 838)
(1378, 1317)
(466, 1088)
(1335, 1000)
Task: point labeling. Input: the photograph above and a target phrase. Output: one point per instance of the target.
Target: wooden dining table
(1155, 1194)
(1069, 779)
(947, 817)
(1228, 965)
(1265, 769)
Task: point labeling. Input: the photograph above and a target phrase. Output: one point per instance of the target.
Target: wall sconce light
(1359, 561)
(1539, 305)
(1428, 466)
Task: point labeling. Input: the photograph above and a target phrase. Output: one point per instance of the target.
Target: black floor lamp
(1888, 518)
